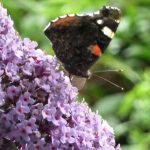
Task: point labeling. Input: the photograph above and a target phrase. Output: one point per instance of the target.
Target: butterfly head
(112, 13)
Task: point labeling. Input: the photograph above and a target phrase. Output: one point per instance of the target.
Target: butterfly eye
(111, 12)
(115, 14)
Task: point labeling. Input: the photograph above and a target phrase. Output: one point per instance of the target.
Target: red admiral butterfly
(79, 40)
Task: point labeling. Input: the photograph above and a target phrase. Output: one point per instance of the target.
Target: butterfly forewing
(78, 41)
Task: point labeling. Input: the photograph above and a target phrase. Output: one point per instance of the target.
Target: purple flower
(21, 109)
(13, 91)
(26, 99)
(12, 71)
(38, 104)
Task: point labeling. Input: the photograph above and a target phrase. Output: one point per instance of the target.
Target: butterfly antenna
(112, 83)
(119, 70)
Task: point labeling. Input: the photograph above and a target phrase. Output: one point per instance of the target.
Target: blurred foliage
(127, 111)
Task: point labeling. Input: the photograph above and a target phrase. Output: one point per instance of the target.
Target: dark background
(128, 111)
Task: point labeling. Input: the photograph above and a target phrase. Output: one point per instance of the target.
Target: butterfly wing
(71, 38)
(78, 41)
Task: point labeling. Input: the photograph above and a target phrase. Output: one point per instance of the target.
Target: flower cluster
(38, 107)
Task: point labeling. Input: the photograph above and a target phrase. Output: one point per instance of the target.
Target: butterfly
(79, 40)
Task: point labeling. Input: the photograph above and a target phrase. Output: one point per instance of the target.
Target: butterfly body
(78, 41)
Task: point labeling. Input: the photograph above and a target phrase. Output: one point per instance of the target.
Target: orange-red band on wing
(64, 21)
(97, 50)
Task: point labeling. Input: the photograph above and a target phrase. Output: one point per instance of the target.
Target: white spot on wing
(110, 7)
(71, 15)
(80, 15)
(117, 21)
(63, 16)
(99, 21)
(55, 20)
(47, 26)
(108, 32)
(90, 14)
(96, 13)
